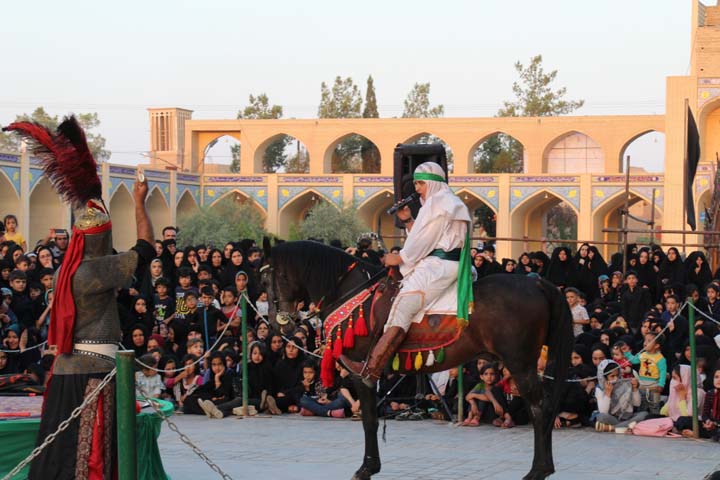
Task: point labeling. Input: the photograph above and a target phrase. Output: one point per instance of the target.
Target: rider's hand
(392, 259)
(404, 213)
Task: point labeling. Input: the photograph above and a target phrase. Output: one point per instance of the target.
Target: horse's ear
(266, 247)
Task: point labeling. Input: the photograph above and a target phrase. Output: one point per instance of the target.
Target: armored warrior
(84, 324)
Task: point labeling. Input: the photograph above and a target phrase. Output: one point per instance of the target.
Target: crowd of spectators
(630, 360)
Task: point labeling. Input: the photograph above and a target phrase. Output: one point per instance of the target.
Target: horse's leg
(368, 406)
(532, 391)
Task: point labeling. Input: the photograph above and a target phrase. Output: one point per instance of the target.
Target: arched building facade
(573, 160)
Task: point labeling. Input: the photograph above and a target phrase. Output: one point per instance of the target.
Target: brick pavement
(293, 447)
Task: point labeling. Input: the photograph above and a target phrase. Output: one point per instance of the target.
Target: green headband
(428, 176)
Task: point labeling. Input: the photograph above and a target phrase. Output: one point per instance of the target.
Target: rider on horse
(434, 258)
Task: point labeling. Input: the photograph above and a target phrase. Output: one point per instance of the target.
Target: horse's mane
(321, 263)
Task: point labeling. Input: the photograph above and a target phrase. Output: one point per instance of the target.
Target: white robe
(442, 223)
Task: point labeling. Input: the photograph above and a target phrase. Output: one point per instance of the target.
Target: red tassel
(327, 366)
(349, 339)
(361, 327)
(408, 362)
(337, 344)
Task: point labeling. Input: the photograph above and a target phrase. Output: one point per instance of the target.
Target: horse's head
(282, 300)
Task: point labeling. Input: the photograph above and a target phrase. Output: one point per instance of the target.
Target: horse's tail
(559, 340)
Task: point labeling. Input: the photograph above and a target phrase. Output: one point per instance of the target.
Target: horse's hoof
(365, 472)
(538, 474)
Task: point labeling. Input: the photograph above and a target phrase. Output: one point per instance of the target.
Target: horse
(514, 316)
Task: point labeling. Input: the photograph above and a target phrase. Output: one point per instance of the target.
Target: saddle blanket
(432, 332)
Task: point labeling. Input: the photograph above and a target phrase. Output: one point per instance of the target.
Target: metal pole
(125, 397)
(626, 215)
(693, 369)
(245, 353)
(461, 394)
(652, 218)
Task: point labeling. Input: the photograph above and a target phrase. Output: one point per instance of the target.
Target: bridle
(283, 317)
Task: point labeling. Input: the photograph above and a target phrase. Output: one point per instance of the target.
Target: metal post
(626, 215)
(693, 368)
(125, 397)
(245, 353)
(461, 394)
(652, 218)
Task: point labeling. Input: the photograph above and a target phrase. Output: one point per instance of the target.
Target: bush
(325, 221)
(226, 221)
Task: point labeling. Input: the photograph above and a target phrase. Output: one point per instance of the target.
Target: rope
(577, 380)
(219, 338)
(184, 438)
(694, 307)
(39, 345)
(247, 300)
(63, 426)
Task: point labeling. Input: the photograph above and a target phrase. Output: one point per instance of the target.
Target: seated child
(147, 381)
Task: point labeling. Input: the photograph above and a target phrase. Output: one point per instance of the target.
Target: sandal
(497, 422)
(508, 423)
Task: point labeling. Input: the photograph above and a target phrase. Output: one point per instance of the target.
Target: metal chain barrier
(63, 426)
(184, 438)
(576, 380)
(694, 307)
(247, 300)
(39, 345)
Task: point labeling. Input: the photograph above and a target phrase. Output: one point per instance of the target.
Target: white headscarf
(440, 199)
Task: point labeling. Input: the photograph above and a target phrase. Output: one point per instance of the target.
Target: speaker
(405, 159)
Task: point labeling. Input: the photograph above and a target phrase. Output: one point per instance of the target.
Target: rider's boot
(371, 371)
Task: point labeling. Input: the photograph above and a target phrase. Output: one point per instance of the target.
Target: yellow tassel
(418, 361)
(396, 362)
(471, 308)
(430, 360)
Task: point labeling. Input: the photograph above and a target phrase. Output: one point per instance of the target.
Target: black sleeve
(145, 251)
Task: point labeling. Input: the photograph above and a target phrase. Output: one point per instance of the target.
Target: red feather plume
(66, 159)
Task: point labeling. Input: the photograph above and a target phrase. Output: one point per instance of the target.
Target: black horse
(514, 317)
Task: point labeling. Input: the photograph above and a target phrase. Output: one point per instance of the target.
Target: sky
(118, 59)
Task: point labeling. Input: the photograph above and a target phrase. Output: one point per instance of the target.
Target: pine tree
(371, 110)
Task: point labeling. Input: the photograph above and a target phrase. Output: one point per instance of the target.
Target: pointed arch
(352, 153)
(373, 213)
(607, 215)
(709, 128)
(219, 152)
(9, 200)
(186, 206)
(529, 218)
(240, 197)
(645, 149)
(702, 204)
(483, 214)
(122, 213)
(573, 152)
(508, 146)
(292, 149)
(158, 209)
(296, 209)
(48, 211)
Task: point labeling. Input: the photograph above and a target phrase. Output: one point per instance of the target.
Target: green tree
(260, 108)
(343, 101)
(355, 154)
(226, 221)
(325, 221)
(534, 96)
(417, 103)
(371, 109)
(10, 142)
(500, 153)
